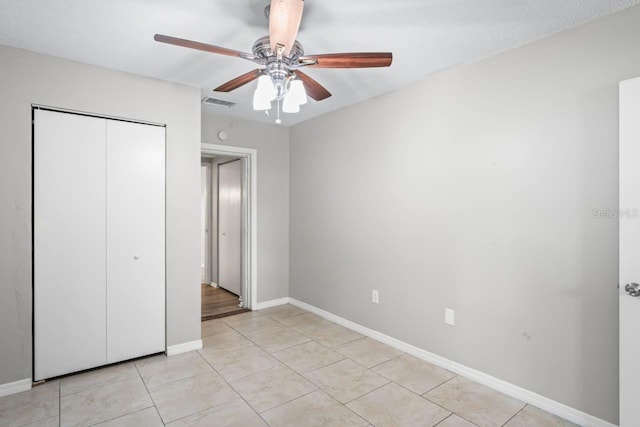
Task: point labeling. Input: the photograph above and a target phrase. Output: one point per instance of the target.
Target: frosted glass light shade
(261, 102)
(264, 93)
(297, 92)
(289, 104)
(266, 88)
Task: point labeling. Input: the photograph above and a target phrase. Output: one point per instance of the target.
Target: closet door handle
(136, 257)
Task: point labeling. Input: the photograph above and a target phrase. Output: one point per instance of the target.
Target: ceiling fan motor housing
(262, 49)
(280, 70)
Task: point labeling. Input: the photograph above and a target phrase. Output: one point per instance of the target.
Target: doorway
(227, 230)
(221, 235)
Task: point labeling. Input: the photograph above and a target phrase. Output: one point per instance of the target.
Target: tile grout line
(365, 366)
(93, 387)
(369, 392)
(435, 387)
(205, 409)
(434, 403)
(234, 390)
(443, 407)
(266, 331)
(285, 365)
(59, 403)
(301, 375)
(279, 350)
(352, 400)
(326, 366)
(444, 419)
(338, 361)
(311, 370)
(330, 364)
(390, 381)
(292, 347)
(459, 416)
(336, 346)
(417, 395)
(281, 365)
(123, 415)
(318, 389)
(515, 415)
(289, 401)
(149, 393)
(387, 361)
(324, 391)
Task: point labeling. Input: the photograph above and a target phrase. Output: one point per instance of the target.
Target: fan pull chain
(278, 121)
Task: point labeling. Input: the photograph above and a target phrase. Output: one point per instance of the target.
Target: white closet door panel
(230, 226)
(135, 240)
(69, 243)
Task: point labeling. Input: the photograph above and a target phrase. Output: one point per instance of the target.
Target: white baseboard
(185, 347)
(271, 303)
(544, 403)
(15, 387)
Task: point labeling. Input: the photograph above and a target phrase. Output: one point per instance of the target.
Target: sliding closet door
(135, 240)
(69, 243)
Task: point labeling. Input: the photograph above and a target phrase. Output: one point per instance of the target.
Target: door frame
(250, 217)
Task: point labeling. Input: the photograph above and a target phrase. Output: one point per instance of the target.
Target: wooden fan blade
(239, 81)
(314, 89)
(350, 60)
(284, 22)
(202, 46)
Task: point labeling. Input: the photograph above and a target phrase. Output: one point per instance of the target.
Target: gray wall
(272, 144)
(474, 190)
(27, 78)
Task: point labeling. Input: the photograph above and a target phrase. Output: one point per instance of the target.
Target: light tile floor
(277, 367)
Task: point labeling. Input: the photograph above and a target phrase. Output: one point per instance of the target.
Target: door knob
(633, 289)
(136, 257)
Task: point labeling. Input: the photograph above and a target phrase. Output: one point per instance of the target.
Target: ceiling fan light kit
(282, 56)
(264, 93)
(297, 92)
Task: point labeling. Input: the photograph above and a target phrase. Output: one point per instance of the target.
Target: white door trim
(250, 243)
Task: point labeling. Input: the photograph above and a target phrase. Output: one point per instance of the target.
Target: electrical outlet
(449, 317)
(375, 297)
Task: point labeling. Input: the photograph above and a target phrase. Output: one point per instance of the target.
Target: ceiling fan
(282, 56)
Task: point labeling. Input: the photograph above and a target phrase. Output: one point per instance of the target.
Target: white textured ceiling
(425, 36)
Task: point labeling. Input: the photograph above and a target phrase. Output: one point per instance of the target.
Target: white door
(230, 226)
(629, 252)
(135, 240)
(205, 221)
(204, 231)
(69, 243)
